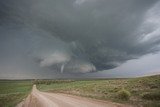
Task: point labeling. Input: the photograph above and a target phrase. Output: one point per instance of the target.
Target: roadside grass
(13, 92)
(137, 91)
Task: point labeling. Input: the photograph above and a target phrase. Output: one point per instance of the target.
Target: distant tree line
(48, 82)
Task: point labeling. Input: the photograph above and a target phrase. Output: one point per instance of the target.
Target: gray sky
(79, 38)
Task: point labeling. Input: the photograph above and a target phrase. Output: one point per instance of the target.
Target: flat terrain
(142, 91)
(13, 92)
(44, 99)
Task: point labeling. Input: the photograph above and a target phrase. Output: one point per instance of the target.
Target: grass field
(12, 92)
(138, 91)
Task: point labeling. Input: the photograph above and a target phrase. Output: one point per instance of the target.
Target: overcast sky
(79, 38)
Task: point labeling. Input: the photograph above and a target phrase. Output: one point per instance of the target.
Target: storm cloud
(77, 36)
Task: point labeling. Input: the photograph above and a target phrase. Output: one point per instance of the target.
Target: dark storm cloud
(92, 34)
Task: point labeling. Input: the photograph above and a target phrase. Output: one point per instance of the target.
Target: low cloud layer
(55, 58)
(78, 36)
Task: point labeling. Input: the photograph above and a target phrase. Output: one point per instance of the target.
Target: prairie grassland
(13, 92)
(137, 91)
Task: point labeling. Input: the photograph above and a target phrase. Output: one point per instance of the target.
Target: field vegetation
(137, 91)
(13, 92)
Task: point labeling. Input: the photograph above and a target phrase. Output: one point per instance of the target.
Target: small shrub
(153, 86)
(151, 104)
(123, 94)
(151, 96)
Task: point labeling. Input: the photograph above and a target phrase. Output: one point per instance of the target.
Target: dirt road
(45, 99)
